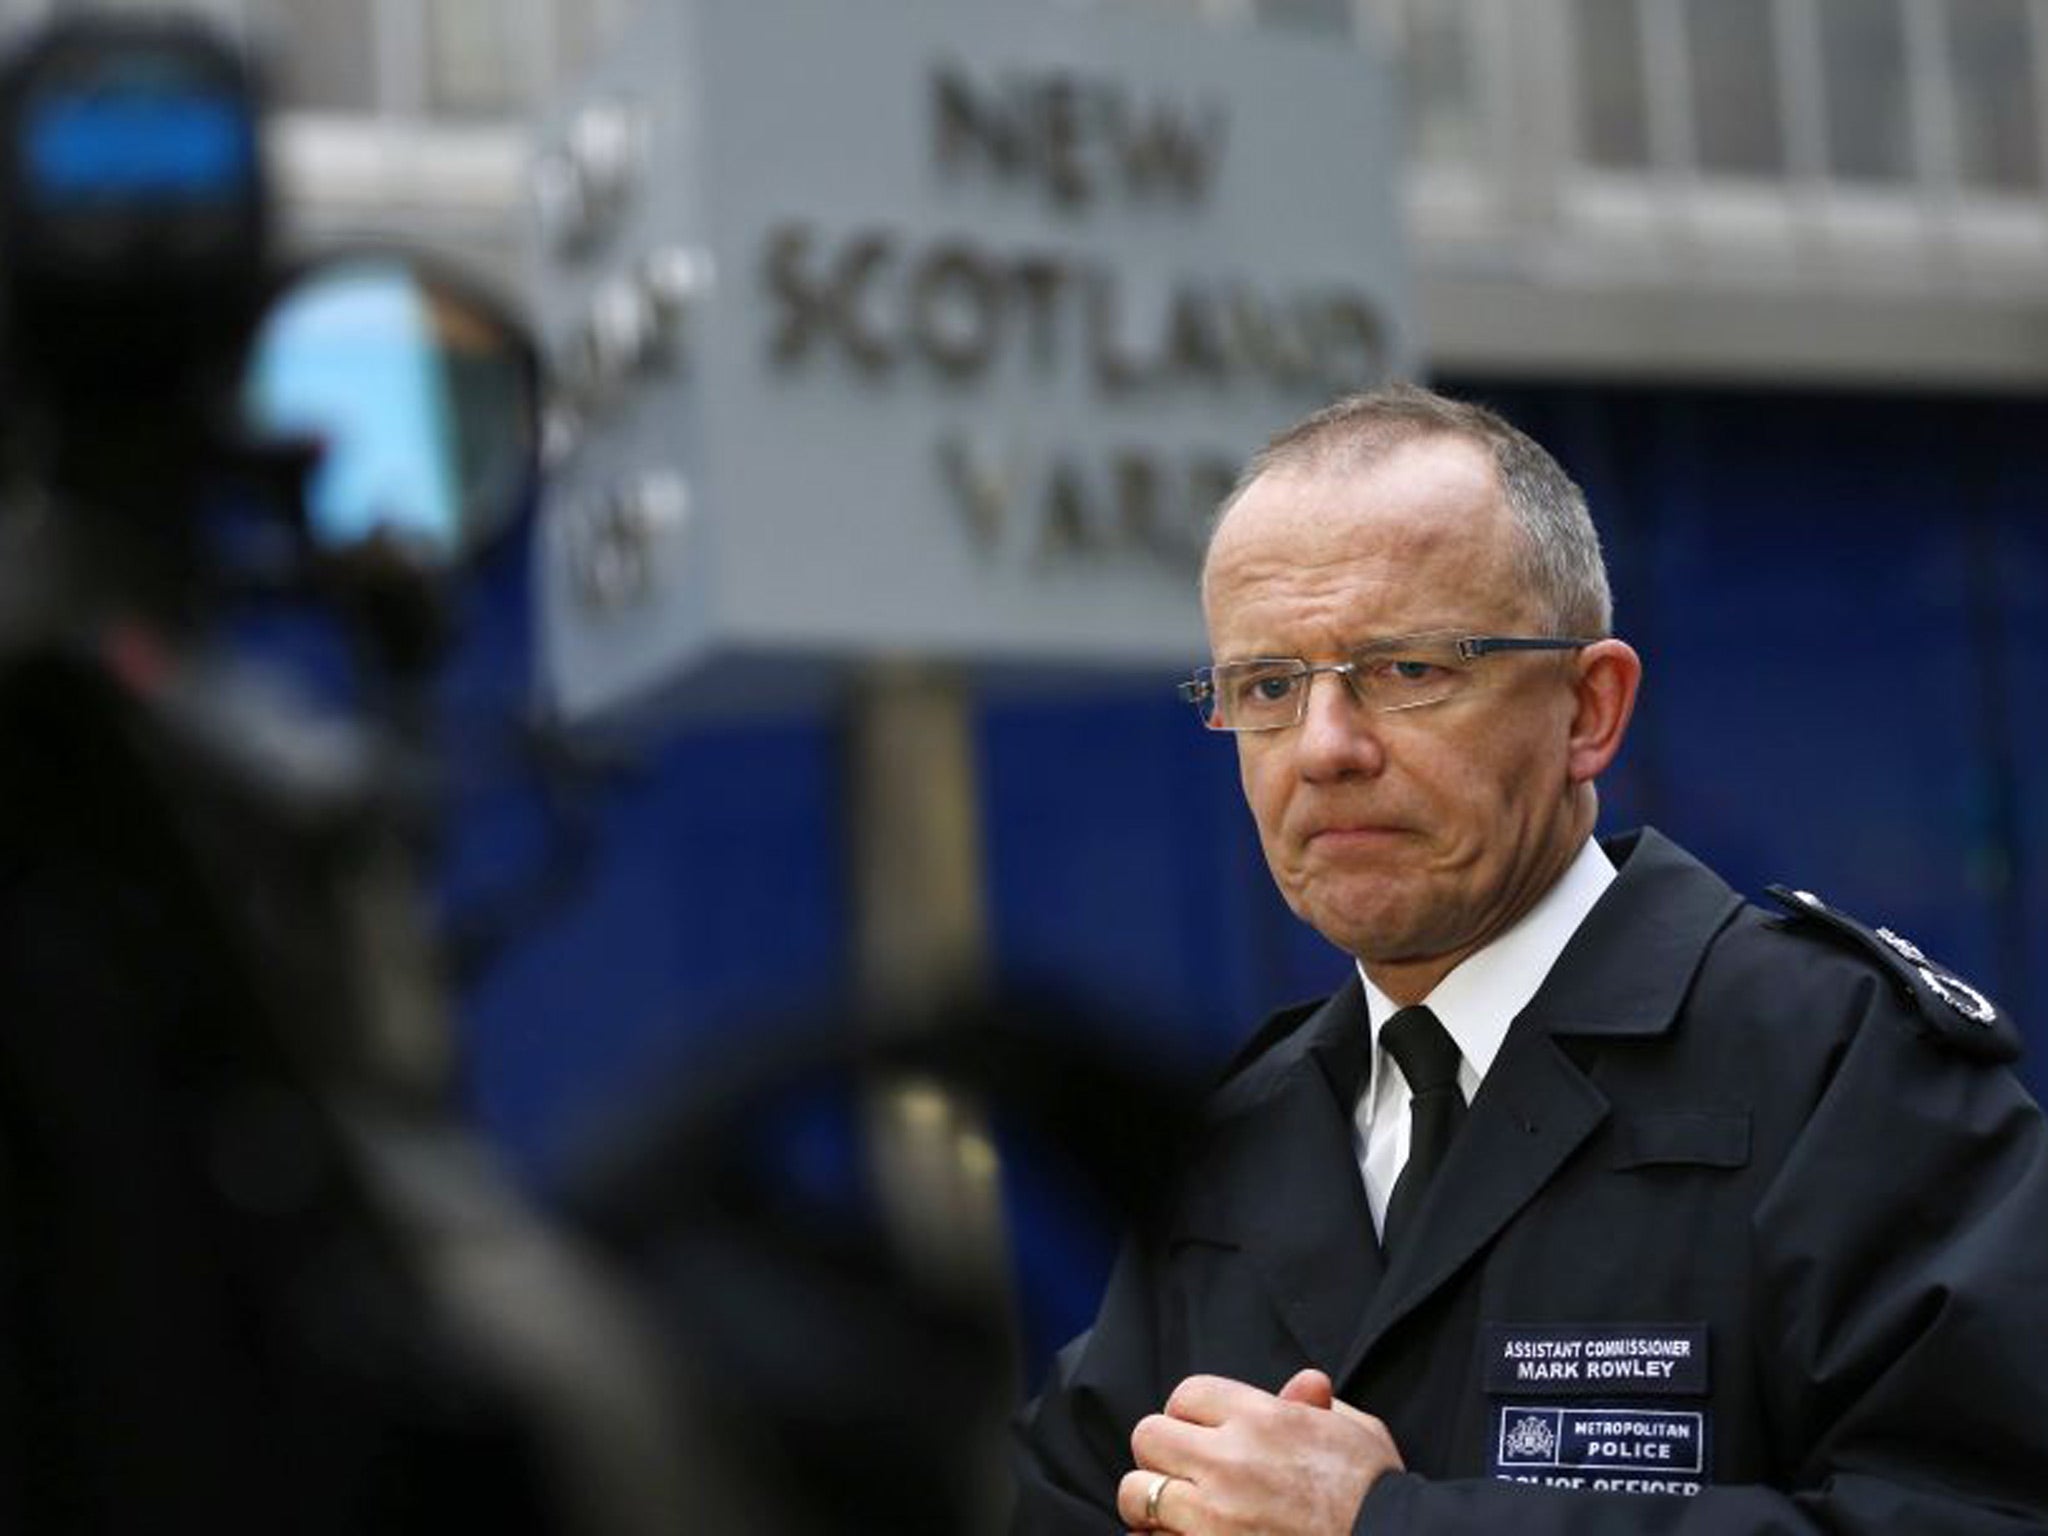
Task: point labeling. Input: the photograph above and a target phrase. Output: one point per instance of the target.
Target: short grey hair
(1560, 550)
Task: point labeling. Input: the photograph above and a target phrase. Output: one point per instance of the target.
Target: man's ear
(1608, 673)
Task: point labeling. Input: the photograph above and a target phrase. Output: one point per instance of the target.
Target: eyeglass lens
(1269, 693)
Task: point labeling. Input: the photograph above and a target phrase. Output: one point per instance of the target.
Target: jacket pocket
(1699, 1137)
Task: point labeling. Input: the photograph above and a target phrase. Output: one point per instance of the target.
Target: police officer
(1598, 1200)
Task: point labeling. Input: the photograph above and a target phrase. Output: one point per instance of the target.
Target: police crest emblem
(1531, 1439)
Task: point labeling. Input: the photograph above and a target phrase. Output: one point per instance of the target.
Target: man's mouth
(1355, 834)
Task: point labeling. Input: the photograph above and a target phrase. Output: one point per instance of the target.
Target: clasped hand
(1240, 1460)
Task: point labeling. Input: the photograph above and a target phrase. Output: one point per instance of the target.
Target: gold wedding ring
(1152, 1496)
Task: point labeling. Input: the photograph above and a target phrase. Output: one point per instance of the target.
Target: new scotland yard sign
(1005, 291)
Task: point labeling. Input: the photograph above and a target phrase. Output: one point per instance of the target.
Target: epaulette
(1950, 1009)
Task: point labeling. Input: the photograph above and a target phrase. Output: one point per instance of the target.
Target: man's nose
(1338, 735)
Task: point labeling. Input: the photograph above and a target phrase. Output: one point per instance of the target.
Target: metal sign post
(921, 936)
(921, 945)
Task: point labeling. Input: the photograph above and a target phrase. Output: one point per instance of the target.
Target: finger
(1310, 1387)
(1131, 1491)
(1161, 1443)
(1378, 1427)
(1134, 1492)
(1359, 1415)
(1213, 1399)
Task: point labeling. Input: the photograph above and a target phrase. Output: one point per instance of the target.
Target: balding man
(1598, 1201)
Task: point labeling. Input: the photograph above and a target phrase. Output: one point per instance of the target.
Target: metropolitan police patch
(1602, 1449)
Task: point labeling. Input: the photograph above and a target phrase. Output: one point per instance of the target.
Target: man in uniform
(1597, 1201)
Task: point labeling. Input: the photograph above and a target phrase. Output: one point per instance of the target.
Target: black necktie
(1428, 1058)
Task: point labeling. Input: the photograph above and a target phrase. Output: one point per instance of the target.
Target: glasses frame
(1200, 689)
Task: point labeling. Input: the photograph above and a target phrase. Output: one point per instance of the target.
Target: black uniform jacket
(1746, 1231)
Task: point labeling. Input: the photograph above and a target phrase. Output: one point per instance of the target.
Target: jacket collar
(1271, 1179)
(1630, 965)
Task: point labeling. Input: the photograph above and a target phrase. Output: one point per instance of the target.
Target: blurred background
(1769, 276)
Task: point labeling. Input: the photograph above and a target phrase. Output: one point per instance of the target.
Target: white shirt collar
(1478, 1000)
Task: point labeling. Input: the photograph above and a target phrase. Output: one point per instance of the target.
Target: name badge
(1582, 1360)
(1605, 1450)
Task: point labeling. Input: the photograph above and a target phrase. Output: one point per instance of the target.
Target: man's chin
(1378, 938)
(1385, 907)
